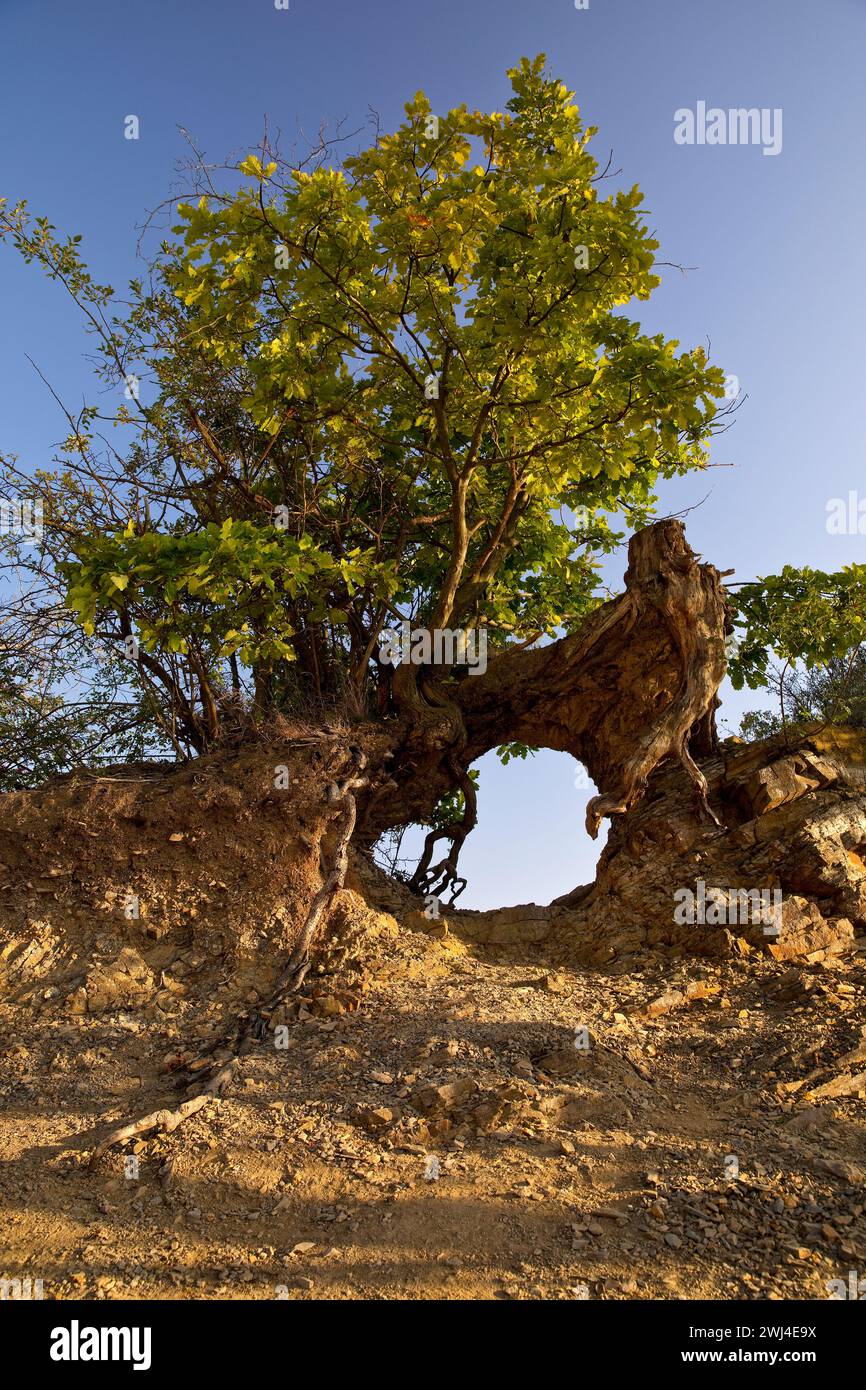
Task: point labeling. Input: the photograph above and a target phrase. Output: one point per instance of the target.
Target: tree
(833, 694)
(404, 389)
(401, 390)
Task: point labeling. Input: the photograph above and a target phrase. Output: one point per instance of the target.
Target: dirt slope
(483, 1106)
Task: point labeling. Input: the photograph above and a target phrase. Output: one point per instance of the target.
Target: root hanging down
(254, 1025)
(443, 876)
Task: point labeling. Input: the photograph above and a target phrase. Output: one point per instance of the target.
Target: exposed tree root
(254, 1025)
(164, 1121)
(298, 963)
(443, 876)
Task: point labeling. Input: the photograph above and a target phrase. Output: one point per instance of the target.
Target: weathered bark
(620, 695)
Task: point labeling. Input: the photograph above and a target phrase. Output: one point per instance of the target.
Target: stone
(376, 1120)
(448, 1096)
(554, 984)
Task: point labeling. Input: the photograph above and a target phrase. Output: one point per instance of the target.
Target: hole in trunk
(529, 845)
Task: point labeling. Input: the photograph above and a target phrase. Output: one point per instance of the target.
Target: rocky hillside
(580, 1100)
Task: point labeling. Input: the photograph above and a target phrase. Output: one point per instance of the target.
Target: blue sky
(777, 243)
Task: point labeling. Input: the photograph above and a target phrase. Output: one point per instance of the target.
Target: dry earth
(430, 1129)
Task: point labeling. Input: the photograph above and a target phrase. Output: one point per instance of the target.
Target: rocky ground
(440, 1118)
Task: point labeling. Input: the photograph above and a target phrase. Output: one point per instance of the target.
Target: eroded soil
(433, 1125)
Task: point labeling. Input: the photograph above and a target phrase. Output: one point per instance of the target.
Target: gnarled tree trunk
(622, 694)
(246, 852)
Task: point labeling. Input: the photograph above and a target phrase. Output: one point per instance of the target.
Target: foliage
(831, 694)
(506, 751)
(404, 386)
(800, 615)
(449, 809)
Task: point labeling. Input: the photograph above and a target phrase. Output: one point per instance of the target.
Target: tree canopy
(401, 384)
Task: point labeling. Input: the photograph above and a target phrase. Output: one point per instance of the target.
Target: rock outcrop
(111, 891)
(793, 819)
